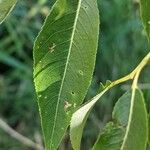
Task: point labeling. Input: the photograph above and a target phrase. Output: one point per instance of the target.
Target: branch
(19, 137)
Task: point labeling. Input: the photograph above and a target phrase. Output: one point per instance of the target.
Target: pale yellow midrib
(130, 119)
(71, 43)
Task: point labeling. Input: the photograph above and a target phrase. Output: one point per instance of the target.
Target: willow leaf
(5, 8)
(122, 109)
(145, 13)
(64, 59)
(137, 127)
(79, 119)
(131, 125)
(110, 138)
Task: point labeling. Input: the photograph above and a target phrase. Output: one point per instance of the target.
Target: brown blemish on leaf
(67, 105)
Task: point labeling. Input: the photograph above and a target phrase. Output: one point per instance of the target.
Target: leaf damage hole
(72, 93)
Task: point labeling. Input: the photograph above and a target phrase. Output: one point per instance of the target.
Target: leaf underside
(130, 127)
(64, 59)
(79, 119)
(5, 8)
(145, 13)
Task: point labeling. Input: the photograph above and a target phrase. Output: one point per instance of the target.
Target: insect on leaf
(64, 59)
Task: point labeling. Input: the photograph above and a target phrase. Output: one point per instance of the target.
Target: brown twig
(24, 140)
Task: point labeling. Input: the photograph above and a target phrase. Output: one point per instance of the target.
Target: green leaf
(149, 128)
(104, 86)
(145, 13)
(64, 59)
(79, 119)
(110, 138)
(129, 113)
(122, 109)
(5, 8)
(137, 127)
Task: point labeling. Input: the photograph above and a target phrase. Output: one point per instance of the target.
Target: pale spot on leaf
(52, 48)
(40, 96)
(67, 105)
(81, 72)
(74, 105)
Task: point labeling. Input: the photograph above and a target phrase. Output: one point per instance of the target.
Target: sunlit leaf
(5, 8)
(64, 59)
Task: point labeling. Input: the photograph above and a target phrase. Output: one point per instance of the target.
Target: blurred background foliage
(122, 45)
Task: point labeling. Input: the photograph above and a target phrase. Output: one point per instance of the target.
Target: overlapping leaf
(5, 7)
(79, 119)
(64, 58)
(131, 127)
(111, 138)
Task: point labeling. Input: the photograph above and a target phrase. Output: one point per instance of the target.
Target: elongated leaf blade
(64, 59)
(130, 128)
(145, 13)
(5, 8)
(79, 119)
(137, 127)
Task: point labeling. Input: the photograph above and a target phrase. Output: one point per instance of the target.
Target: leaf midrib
(130, 118)
(7, 13)
(67, 62)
